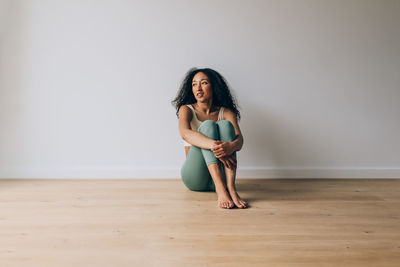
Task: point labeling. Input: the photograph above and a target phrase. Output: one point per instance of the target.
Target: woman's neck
(204, 107)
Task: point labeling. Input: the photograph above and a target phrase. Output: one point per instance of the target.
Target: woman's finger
(228, 165)
(234, 163)
(218, 153)
(224, 161)
(229, 162)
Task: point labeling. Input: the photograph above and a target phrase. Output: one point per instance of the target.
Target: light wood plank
(150, 222)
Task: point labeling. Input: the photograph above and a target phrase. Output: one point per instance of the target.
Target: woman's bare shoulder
(228, 113)
(185, 112)
(185, 107)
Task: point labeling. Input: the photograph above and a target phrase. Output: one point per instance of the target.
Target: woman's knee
(210, 129)
(226, 130)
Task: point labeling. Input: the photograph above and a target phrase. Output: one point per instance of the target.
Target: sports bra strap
(190, 106)
(221, 112)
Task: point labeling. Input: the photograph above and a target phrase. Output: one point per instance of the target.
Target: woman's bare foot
(224, 201)
(240, 203)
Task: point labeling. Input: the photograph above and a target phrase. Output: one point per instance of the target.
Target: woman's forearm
(198, 139)
(237, 143)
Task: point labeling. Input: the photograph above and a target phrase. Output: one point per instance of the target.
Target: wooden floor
(290, 222)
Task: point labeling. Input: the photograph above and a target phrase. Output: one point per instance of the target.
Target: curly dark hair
(222, 96)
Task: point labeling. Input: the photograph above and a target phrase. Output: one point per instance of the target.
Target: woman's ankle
(220, 189)
(231, 188)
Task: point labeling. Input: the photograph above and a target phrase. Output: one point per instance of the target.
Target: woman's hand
(222, 149)
(229, 161)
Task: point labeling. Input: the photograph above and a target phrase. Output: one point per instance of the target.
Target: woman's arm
(236, 144)
(192, 137)
(223, 149)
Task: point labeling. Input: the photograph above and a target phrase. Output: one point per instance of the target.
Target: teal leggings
(194, 172)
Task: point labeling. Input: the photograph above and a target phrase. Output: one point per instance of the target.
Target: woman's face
(201, 87)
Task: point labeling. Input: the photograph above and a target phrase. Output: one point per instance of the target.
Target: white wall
(86, 85)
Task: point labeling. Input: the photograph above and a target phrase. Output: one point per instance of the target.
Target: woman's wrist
(233, 146)
(211, 143)
(237, 143)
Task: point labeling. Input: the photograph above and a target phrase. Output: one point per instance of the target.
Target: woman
(208, 116)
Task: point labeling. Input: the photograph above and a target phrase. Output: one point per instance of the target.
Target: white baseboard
(319, 172)
(152, 172)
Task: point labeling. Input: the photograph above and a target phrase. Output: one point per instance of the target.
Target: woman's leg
(210, 129)
(194, 172)
(227, 133)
